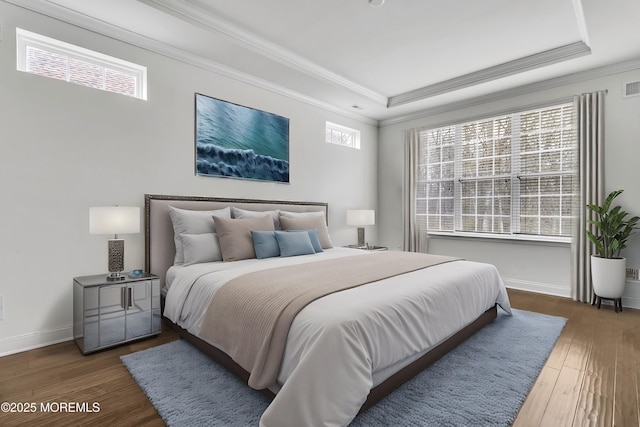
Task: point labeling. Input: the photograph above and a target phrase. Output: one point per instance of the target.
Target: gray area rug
(483, 382)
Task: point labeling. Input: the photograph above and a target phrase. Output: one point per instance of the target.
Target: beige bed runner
(249, 317)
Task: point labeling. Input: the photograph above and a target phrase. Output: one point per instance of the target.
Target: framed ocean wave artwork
(240, 142)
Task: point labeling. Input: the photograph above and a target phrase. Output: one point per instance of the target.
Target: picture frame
(235, 141)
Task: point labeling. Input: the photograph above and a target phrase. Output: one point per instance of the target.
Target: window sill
(506, 238)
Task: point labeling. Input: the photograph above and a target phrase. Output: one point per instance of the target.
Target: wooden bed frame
(160, 249)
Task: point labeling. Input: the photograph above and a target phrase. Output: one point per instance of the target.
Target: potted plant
(608, 268)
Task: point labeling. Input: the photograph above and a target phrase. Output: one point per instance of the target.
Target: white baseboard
(630, 298)
(541, 288)
(630, 302)
(20, 343)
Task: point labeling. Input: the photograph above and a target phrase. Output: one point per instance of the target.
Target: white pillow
(244, 213)
(192, 222)
(201, 248)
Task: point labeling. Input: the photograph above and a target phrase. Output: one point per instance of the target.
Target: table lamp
(114, 220)
(360, 218)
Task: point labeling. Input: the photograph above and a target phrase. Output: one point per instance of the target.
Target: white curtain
(590, 125)
(415, 236)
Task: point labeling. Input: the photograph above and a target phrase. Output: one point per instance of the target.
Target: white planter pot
(608, 276)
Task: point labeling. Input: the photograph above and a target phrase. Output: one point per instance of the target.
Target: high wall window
(53, 58)
(342, 135)
(508, 175)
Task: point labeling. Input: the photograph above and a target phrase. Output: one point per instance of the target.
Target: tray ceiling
(380, 63)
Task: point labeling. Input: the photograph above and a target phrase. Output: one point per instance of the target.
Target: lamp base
(361, 236)
(116, 259)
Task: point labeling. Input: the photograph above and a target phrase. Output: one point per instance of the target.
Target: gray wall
(64, 148)
(527, 265)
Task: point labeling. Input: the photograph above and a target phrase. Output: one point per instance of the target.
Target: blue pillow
(265, 244)
(292, 244)
(315, 240)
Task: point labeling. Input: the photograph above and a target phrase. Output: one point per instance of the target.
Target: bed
(342, 352)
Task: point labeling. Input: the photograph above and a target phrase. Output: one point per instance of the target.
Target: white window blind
(508, 175)
(548, 171)
(435, 183)
(53, 58)
(342, 135)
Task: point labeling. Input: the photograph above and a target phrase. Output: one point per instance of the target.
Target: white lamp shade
(114, 220)
(361, 217)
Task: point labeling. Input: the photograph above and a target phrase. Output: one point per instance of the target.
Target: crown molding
(582, 23)
(63, 14)
(273, 51)
(537, 60)
(567, 79)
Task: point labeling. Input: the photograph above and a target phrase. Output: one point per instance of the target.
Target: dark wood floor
(592, 376)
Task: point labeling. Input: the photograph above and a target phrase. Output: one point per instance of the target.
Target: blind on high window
(56, 59)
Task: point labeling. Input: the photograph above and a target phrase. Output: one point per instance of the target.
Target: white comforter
(343, 344)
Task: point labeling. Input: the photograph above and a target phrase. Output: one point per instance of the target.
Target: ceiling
(375, 62)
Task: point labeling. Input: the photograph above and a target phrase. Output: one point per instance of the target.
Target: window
(509, 175)
(52, 58)
(342, 135)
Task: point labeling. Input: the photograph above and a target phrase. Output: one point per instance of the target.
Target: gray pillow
(303, 223)
(244, 213)
(201, 248)
(192, 222)
(234, 235)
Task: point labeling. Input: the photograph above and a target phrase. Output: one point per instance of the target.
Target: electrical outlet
(632, 273)
(1, 307)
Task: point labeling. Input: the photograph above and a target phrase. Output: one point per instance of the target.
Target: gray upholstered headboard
(159, 248)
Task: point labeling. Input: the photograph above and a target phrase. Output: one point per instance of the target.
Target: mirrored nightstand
(107, 313)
